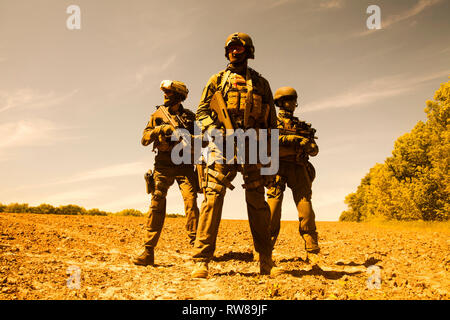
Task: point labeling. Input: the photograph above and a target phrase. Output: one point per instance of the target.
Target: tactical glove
(312, 149)
(166, 129)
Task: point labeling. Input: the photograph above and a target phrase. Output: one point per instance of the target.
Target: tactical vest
(244, 100)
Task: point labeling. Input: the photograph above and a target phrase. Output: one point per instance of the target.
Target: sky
(74, 103)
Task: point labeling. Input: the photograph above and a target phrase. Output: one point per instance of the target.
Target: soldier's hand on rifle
(312, 149)
(303, 141)
(166, 129)
(297, 139)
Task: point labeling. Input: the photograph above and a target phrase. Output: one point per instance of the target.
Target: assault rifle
(304, 133)
(219, 106)
(163, 113)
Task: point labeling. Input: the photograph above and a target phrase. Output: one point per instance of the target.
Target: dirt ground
(43, 256)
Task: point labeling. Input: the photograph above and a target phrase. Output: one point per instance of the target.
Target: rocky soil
(42, 256)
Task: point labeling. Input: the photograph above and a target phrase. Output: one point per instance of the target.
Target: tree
(130, 212)
(71, 209)
(17, 208)
(44, 209)
(96, 212)
(414, 183)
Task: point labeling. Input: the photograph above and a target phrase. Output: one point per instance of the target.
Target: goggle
(166, 85)
(235, 49)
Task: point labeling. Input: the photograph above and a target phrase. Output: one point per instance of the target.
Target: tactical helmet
(241, 38)
(285, 92)
(176, 86)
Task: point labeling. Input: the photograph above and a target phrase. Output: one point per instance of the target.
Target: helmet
(285, 92)
(241, 38)
(176, 86)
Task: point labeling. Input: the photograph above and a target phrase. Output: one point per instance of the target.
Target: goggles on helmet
(235, 48)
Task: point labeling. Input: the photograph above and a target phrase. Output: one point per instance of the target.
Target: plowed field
(89, 257)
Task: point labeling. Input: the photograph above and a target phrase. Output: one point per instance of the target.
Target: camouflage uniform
(297, 173)
(164, 174)
(235, 91)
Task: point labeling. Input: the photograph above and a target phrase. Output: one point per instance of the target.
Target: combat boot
(268, 267)
(314, 260)
(255, 256)
(146, 258)
(311, 242)
(312, 249)
(200, 270)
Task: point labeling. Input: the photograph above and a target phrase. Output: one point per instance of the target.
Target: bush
(71, 209)
(44, 209)
(130, 212)
(17, 208)
(96, 212)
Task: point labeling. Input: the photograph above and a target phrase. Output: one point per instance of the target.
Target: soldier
(249, 103)
(297, 143)
(165, 172)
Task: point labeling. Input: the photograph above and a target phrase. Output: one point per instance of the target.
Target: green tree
(71, 209)
(96, 212)
(17, 208)
(130, 212)
(413, 183)
(44, 209)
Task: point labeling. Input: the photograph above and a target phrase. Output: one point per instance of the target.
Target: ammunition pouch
(216, 187)
(149, 182)
(219, 186)
(257, 116)
(200, 170)
(223, 179)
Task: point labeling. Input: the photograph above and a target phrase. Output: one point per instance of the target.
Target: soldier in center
(249, 103)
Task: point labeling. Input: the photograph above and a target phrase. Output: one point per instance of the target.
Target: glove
(166, 129)
(312, 149)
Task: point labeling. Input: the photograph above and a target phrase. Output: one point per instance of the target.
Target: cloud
(75, 196)
(135, 201)
(117, 170)
(278, 3)
(374, 90)
(27, 132)
(29, 98)
(113, 171)
(407, 14)
(331, 4)
(153, 68)
(417, 9)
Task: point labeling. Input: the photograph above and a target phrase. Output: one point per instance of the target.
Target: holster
(149, 182)
(200, 168)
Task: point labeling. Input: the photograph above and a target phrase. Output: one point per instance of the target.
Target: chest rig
(244, 101)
